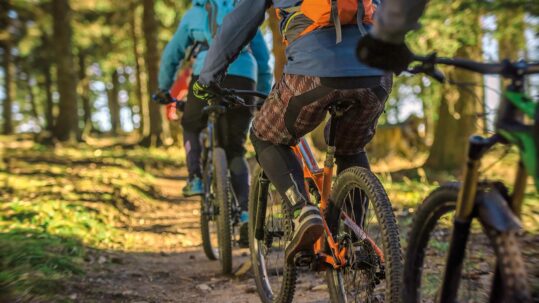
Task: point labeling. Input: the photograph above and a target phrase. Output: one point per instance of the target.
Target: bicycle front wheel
(374, 261)
(224, 211)
(275, 279)
(492, 269)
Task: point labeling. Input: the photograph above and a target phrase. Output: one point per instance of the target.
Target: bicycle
(219, 207)
(356, 266)
(484, 209)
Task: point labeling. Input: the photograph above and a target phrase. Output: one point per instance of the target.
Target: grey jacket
(396, 18)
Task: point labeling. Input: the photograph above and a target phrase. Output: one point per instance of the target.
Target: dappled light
(117, 186)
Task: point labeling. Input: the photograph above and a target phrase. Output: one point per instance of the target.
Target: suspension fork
(477, 147)
(520, 189)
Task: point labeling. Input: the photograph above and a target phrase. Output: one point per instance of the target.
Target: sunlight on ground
(58, 205)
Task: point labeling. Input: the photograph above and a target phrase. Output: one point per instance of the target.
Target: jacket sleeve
(396, 18)
(238, 29)
(173, 55)
(262, 56)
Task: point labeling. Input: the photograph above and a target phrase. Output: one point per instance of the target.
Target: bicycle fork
(463, 217)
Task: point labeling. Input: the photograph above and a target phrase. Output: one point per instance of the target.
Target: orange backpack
(325, 13)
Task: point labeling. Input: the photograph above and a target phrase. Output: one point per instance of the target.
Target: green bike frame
(526, 139)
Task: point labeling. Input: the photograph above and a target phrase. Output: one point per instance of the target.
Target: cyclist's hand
(384, 55)
(172, 114)
(163, 97)
(202, 91)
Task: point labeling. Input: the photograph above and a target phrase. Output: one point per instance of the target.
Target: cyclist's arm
(395, 18)
(262, 56)
(173, 55)
(238, 29)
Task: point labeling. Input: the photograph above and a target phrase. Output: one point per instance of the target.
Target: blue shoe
(244, 217)
(194, 187)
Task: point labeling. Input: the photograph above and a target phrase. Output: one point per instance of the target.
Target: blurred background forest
(76, 69)
(91, 171)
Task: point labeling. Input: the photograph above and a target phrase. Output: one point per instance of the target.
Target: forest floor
(81, 224)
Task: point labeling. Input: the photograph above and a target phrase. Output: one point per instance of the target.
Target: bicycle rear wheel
(369, 276)
(492, 270)
(208, 211)
(224, 211)
(275, 279)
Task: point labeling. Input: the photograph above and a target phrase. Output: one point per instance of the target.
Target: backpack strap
(360, 16)
(212, 19)
(336, 21)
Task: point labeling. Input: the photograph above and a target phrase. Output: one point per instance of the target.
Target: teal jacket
(195, 26)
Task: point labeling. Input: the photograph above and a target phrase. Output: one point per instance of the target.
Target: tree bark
(84, 83)
(278, 46)
(32, 98)
(141, 102)
(8, 90)
(49, 103)
(66, 127)
(114, 105)
(7, 103)
(152, 66)
(457, 119)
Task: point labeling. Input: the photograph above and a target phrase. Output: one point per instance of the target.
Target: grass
(56, 205)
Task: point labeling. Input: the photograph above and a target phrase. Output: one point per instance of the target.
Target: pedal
(304, 258)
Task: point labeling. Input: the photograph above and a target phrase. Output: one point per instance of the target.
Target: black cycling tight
(284, 170)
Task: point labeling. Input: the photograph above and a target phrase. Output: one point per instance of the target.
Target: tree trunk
(84, 83)
(457, 119)
(32, 98)
(141, 101)
(278, 46)
(114, 105)
(49, 104)
(152, 67)
(8, 91)
(66, 128)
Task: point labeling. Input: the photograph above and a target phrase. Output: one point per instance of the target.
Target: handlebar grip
(438, 75)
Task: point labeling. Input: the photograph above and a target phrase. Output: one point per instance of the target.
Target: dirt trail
(171, 266)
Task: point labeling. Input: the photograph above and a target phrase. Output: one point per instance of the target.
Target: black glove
(163, 97)
(384, 55)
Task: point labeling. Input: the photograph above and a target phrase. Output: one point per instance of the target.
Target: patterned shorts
(298, 104)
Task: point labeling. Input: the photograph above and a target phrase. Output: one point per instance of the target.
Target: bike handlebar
(506, 68)
(229, 96)
(235, 96)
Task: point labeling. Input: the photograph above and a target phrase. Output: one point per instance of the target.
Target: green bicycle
(477, 213)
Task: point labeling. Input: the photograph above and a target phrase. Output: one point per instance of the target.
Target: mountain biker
(320, 69)
(384, 46)
(198, 26)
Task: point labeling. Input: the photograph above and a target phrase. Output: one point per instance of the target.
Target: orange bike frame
(322, 178)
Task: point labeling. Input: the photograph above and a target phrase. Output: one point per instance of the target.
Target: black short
(235, 122)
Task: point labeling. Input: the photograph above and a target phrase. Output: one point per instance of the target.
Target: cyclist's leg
(356, 129)
(238, 121)
(193, 150)
(193, 121)
(294, 108)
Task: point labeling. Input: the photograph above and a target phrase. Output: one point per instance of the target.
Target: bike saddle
(215, 108)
